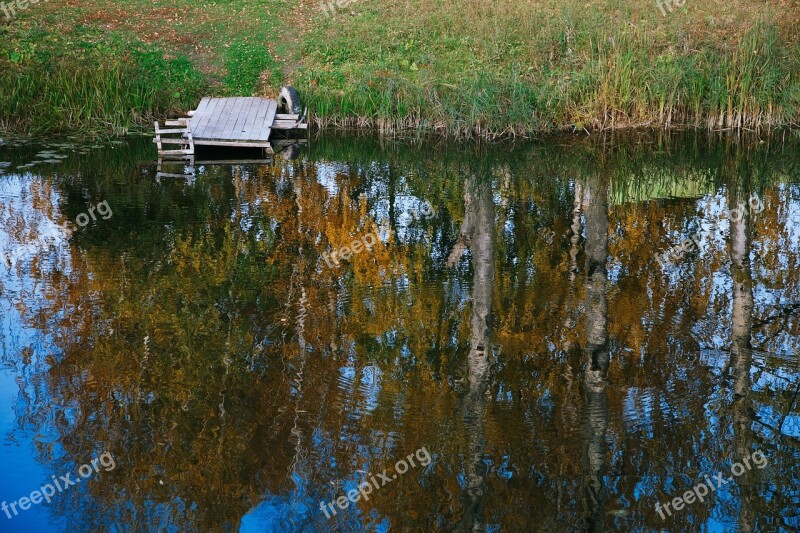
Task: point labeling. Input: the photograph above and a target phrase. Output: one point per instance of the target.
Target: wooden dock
(242, 122)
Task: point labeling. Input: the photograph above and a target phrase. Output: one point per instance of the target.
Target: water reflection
(596, 350)
(477, 233)
(524, 334)
(741, 361)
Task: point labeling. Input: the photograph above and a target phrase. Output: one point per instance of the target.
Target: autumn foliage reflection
(233, 374)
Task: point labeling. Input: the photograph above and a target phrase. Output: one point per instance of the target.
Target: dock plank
(244, 121)
(255, 119)
(203, 104)
(240, 129)
(233, 127)
(226, 130)
(245, 144)
(203, 115)
(273, 110)
(264, 125)
(219, 117)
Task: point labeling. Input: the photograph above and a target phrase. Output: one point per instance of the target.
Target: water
(559, 336)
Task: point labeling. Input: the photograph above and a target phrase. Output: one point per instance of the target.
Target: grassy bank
(486, 68)
(107, 67)
(464, 68)
(89, 80)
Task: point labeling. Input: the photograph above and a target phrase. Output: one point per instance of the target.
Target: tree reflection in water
(595, 205)
(239, 381)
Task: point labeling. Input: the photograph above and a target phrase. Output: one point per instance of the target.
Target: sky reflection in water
(523, 333)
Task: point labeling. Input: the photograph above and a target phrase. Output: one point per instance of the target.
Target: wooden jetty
(242, 122)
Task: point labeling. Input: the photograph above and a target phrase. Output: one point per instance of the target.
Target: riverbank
(463, 69)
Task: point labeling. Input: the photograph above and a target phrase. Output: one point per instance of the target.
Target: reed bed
(491, 69)
(464, 68)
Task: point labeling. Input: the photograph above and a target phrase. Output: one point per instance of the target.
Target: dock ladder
(185, 140)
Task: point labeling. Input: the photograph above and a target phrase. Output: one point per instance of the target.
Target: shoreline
(388, 128)
(319, 129)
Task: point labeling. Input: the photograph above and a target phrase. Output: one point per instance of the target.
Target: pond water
(576, 335)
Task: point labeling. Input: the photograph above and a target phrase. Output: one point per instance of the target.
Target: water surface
(573, 331)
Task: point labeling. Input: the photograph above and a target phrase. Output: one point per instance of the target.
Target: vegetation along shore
(460, 68)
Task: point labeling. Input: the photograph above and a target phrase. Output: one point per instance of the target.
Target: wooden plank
(201, 107)
(260, 125)
(173, 161)
(269, 118)
(175, 152)
(251, 125)
(176, 141)
(202, 125)
(230, 131)
(168, 175)
(234, 162)
(273, 110)
(230, 124)
(181, 130)
(240, 129)
(217, 118)
(209, 162)
(288, 142)
(288, 124)
(201, 120)
(211, 114)
(158, 137)
(225, 126)
(284, 116)
(243, 144)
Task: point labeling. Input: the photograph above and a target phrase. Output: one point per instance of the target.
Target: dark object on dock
(236, 122)
(290, 101)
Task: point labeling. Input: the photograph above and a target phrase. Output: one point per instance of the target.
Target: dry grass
(465, 68)
(495, 68)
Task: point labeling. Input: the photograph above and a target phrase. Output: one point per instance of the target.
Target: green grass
(63, 69)
(467, 68)
(553, 65)
(88, 80)
(248, 66)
